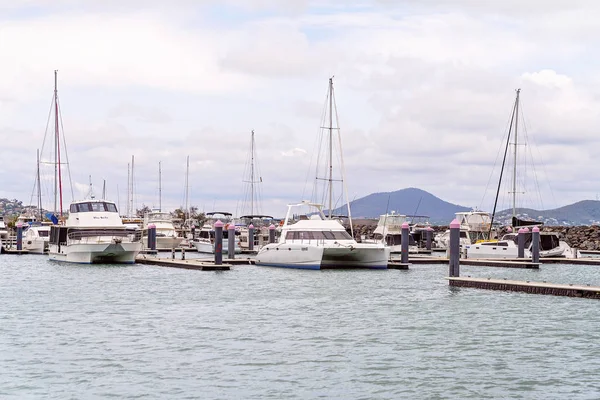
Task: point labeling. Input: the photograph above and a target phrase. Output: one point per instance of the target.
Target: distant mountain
(410, 201)
(586, 212)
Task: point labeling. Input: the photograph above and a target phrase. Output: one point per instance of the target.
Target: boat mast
(252, 174)
(57, 172)
(514, 193)
(39, 190)
(159, 187)
(330, 145)
(187, 187)
(128, 185)
(104, 189)
(510, 128)
(131, 198)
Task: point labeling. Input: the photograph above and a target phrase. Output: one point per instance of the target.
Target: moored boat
(94, 233)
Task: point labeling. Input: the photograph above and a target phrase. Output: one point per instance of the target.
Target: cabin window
(73, 208)
(43, 233)
(110, 207)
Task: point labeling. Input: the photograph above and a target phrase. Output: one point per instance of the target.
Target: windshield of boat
(318, 235)
(95, 206)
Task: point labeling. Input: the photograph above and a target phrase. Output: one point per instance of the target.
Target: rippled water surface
(71, 331)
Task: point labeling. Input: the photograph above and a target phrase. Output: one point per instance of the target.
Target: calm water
(158, 333)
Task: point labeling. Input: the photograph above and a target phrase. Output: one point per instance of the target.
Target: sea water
(135, 331)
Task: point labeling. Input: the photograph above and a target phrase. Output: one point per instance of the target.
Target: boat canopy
(516, 222)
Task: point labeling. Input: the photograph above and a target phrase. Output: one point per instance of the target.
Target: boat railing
(106, 235)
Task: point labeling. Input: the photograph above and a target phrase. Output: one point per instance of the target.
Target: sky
(424, 93)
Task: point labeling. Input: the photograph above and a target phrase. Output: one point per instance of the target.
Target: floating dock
(569, 290)
(195, 264)
(13, 251)
(398, 265)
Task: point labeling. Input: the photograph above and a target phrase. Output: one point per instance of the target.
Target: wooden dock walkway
(195, 264)
(569, 290)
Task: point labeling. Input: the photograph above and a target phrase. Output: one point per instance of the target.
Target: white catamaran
(317, 240)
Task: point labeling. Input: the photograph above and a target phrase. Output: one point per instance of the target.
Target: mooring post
(231, 241)
(535, 245)
(454, 265)
(271, 233)
(183, 253)
(152, 237)
(428, 237)
(218, 242)
(251, 237)
(404, 243)
(19, 236)
(521, 243)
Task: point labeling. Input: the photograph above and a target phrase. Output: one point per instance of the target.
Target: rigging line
(47, 124)
(65, 146)
(506, 129)
(502, 170)
(544, 169)
(343, 166)
(416, 209)
(316, 144)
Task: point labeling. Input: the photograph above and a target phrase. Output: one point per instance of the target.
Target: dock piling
(454, 264)
(404, 243)
(152, 237)
(271, 233)
(251, 237)
(231, 241)
(218, 242)
(521, 242)
(183, 253)
(535, 245)
(428, 237)
(19, 236)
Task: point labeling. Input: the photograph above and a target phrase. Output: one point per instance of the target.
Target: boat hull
(93, 253)
(209, 248)
(165, 242)
(36, 246)
(302, 256)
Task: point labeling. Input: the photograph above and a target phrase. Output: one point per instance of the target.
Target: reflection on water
(70, 331)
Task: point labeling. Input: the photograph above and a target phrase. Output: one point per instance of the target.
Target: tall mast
(104, 190)
(159, 188)
(39, 190)
(56, 143)
(330, 145)
(514, 213)
(252, 174)
(127, 213)
(187, 186)
(132, 189)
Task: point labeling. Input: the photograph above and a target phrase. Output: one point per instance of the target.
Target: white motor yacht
(167, 237)
(94, 233)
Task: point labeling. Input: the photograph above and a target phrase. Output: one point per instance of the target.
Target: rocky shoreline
(580, 237)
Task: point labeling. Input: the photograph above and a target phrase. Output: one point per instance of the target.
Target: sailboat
(251, 210)
(550, 245)
(167, 237)
(36, 235)
(319, 241)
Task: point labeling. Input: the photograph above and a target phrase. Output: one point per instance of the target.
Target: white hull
(36, 246)
(90, 253)
(203, 246)
(303, 256)
(493, 252)
(165, 242)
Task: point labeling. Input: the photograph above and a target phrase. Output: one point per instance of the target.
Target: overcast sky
(424, 95)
